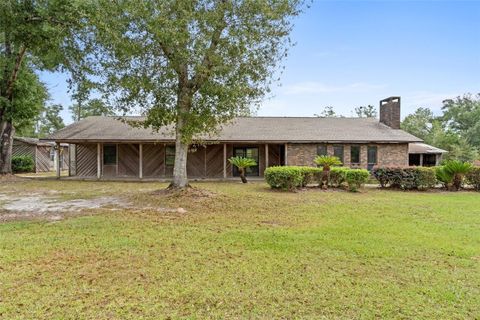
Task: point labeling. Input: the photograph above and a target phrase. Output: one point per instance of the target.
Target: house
(421, 154)
(42, 152)
(106, 147)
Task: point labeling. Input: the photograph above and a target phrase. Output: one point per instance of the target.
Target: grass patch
(244, 252)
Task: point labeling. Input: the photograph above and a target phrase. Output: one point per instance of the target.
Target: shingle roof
(424, 148)
(33, 141)
(245, 129)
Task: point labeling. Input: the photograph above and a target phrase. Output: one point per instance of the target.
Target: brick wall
(387, 154)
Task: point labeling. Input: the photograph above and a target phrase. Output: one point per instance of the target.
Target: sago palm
(457, 170)
(242, 163)
(326, 162)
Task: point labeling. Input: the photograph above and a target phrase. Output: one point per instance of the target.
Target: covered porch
(155, 161)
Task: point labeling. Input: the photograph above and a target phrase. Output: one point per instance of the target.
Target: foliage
(473, 178)
(444, 176)
(419, 123)
(406, 178)
(290, 177)
(22, 164)
(355, 178)
(328, 112)
(366, 111)
(92, 107)
(242, 163)
(337, 176)
(457, 171)
(50, 120)
(327, 161)
(456, 131)
(193, 64)
(34, 35)
(462, 115)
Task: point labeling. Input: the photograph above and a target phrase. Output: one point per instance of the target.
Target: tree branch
(13, 76)
(207, 63)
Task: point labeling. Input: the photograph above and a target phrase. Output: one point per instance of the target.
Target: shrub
(242, 163)
(22, 164)
(326, 162)
(291, 177)
(355, 178)
(444, 177)
(457, 170)
(407, 178)
(427, 178)
(473, 178)
(337, 176)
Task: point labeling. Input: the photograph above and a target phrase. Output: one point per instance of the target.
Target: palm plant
(456, 170)
(242, 163)
(326, 162)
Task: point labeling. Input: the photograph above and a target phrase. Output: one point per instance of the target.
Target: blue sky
(352, 53)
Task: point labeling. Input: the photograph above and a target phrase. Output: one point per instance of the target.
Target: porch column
(421, 159)
(140, 157)
(266, 155)
(286, 155)
(99, 160)
(57, 164)
(69, 160)
(225, 161)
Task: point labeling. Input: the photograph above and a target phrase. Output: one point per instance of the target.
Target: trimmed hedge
(293, 177)
(356, 178)
(406, 178)
(473, 178)
(22, 164)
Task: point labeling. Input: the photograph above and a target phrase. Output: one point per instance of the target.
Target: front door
(247, 152)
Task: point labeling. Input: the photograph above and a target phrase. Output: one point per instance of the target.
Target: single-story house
(422, 154)
(108, 147)
(42, 152)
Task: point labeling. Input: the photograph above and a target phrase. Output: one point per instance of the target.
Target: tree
(242, 163)
(50, 121)
(326, 162)
(93, 107)
(462, 114)
(30, 98)
(419, 123)
(194, 64)
(366, 111)
(436, 132)
(327, 112)
(40, 32)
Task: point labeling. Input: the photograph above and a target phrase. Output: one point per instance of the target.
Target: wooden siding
(128, 160)
(72, 159)
(196, 162)
(43, 162)
(214, 161)
(153, 160)
(86, 160)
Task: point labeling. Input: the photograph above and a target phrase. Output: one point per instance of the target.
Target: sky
(354, 53)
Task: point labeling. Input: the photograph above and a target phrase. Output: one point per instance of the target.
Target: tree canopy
(196, 64)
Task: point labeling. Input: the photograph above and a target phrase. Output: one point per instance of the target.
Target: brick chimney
(390, 112)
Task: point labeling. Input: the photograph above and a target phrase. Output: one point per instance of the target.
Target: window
(170, 156)
(355, 154)
(322, 150)
(338, 152)
(247, 152)
(110, 154)
(372, 155)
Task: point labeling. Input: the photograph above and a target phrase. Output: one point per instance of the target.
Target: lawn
(242, 251)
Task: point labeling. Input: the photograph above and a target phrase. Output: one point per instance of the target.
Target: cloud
(319, 87)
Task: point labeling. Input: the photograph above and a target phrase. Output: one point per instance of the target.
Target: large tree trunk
(6, 142)
(180, 180)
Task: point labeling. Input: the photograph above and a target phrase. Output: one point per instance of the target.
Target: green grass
(245, 252)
